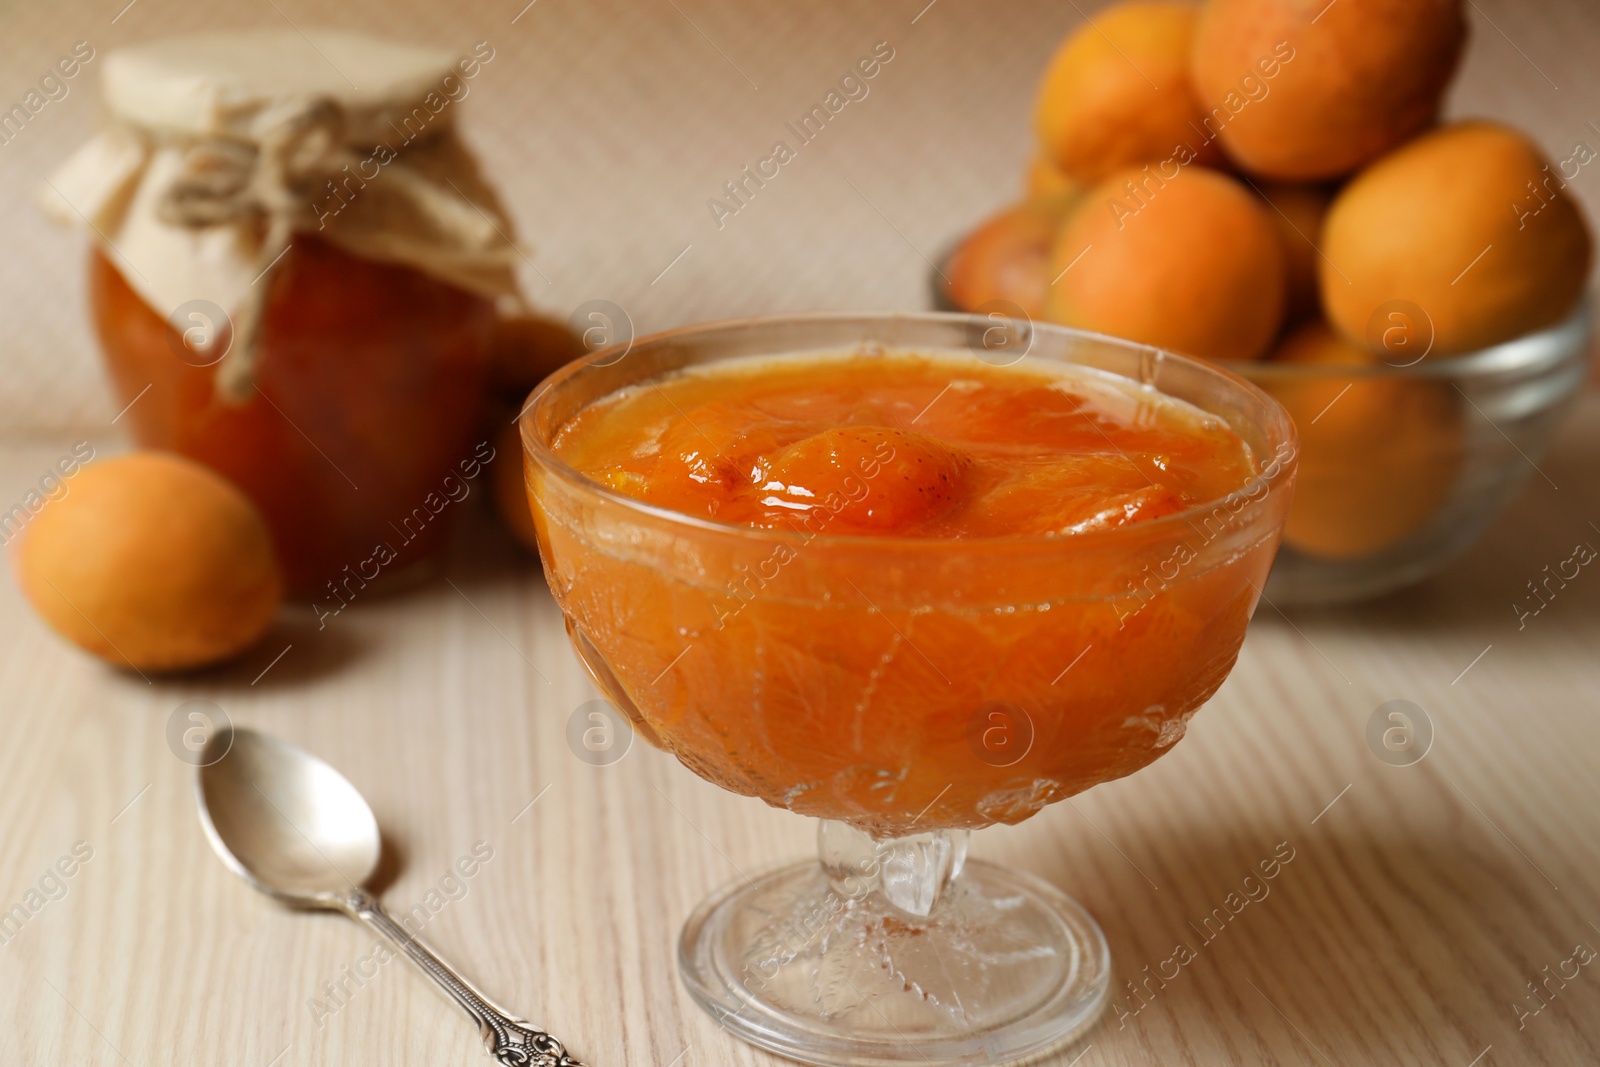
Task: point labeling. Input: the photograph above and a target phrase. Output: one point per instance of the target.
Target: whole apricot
(151, 561)
(1470, 224)
(1297, 211)
(527, 349)
(1379, 454)
(1299, 90)
(1118, 92)
(1189, 263)
(507, 488)
(1007, 257)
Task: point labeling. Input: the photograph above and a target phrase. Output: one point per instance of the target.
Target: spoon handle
(510, 1040)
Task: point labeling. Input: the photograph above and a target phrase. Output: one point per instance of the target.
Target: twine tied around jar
(207, 197)
(270, 184)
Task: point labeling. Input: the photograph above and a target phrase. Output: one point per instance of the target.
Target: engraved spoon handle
(510, 1040)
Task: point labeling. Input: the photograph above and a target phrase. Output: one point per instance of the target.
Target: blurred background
(608, 126)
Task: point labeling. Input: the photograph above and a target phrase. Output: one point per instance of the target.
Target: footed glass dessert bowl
(911, 577)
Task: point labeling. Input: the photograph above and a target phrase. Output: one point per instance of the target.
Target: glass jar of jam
(296, 283)
(367, 392)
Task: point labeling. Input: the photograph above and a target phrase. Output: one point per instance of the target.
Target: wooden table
(1420, 900)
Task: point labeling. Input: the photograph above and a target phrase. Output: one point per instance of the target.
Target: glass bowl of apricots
(1268, 185)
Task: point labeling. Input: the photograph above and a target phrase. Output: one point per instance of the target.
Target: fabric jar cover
(220, 146)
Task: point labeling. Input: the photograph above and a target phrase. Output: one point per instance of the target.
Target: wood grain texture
(1418, 903)
(1420, 900)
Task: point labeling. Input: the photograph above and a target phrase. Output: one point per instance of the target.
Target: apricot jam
(939, 447)
(367, 392)
(906, 590)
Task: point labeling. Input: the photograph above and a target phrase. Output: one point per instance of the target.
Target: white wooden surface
(1420, 900)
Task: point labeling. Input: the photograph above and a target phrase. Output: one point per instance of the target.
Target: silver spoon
(297, 830)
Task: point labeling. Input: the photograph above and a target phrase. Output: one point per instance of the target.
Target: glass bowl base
(1005, 966)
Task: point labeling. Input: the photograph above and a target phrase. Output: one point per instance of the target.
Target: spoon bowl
(284, 820)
